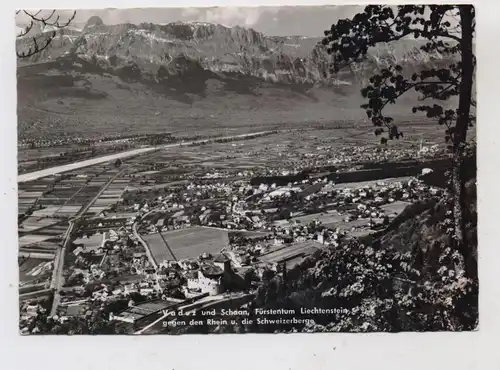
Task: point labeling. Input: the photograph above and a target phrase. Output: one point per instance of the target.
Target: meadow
(187, 243)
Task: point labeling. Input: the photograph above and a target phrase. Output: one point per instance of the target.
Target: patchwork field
(187, 243)
(35, 223)
(31, 269)
(394, 209)
(281, 151)
(251, 234)
(292, 254)
(32, 239)
(324, 218)
(109, 197)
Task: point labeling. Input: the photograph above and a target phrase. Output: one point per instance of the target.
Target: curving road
(129, 153)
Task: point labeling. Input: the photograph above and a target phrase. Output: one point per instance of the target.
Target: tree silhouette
(348, 42)
(39, 41)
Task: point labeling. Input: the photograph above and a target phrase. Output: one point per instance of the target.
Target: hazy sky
(275, 21)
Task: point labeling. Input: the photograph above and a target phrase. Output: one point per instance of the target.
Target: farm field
(324, 218)
(363, 184)
(48, 247)
(293, 254)
(32, 239)
(35, 223)
(251, 234)
(172, 166)
(187, 243)
(109, 197)
(31, 269)
(280, 150)
(394, 209)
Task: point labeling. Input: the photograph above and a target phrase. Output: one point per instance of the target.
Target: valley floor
(265, 202)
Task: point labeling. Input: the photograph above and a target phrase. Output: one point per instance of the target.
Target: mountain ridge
(137, 77)
(220, 48)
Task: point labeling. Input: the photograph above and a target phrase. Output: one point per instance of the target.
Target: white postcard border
(475, 350)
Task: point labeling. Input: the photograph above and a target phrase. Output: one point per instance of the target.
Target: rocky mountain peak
(93, 21)
(220, 49)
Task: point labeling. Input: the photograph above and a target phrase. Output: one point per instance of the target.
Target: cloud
(230, 16)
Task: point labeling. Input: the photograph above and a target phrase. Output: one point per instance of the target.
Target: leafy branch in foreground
(348, 42)
(376, 290)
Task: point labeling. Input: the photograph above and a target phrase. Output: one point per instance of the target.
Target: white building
(206, 280)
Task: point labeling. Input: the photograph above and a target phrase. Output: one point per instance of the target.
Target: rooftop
(221, 258)
(211, 270)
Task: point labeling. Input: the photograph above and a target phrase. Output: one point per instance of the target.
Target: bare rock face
(93, 21)
(179, 72)
(222, 49)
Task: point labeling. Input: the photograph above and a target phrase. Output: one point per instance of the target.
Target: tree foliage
(442, 27)
(40, 40)
(375, 290)
(447, 30)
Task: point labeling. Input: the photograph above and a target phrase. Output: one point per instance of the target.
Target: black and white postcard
(268, 170)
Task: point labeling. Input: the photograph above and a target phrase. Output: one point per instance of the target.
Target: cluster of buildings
(346, 156)
(271, 226)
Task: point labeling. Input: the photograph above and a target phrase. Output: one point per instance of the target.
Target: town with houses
(125, 243)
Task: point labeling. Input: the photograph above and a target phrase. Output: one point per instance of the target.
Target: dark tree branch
(36, 48)
(26, 30)
(40, 42)
(348, 42)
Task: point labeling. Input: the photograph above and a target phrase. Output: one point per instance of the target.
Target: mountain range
(167, 76)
